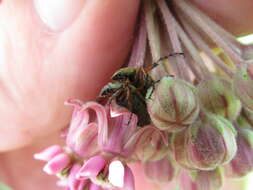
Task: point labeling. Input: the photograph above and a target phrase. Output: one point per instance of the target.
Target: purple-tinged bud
(201, 180)
(172, 104)
(242, 163)
(92, 167)
(148, 143)
(48, 153)
(161, 170)
(243, 84)
(207, 144)
(217, 97)
(245, 119)
(57, 164)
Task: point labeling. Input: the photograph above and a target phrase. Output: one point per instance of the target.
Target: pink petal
(57, 164)
(74, 183)
(129, 183)
(92, 167)
(48, 153)
(95, 187)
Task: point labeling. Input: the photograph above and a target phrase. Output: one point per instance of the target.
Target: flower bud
(245, 119)
(242, 163)
(172, 104)
(161, 170)
(207, 144)
(243, 85)
(148, 144)
(201, 180)
(217, 97)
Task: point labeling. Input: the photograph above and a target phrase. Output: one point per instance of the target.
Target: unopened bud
(201, 180)
(242, 163)
(161, 170)
(172, 104)
(217, 97)
(243, 85)
(148, 144)
(207, 144)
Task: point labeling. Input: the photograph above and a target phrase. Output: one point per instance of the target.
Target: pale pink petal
(73, 183)
(57, 164)
(129, 183)
(92, 167)
(48, 153)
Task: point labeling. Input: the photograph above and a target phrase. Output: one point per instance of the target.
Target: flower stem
(154, 38)
(139, 48)
(176, 44)
(208, 28)
(192, 51)
(204, 47)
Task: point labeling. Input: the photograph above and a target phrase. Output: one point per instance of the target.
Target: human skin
(43, 65)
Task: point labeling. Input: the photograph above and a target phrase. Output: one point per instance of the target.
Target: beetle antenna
(155, 64)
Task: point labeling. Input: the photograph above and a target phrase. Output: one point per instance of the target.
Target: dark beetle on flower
(129, 87)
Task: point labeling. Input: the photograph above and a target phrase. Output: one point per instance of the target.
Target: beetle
(129, 87)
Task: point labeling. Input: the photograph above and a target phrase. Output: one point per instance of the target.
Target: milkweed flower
(185, 109)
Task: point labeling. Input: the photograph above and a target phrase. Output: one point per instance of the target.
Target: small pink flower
(57, 164)
(82, 136)
(111, 129)
(92, 167)
(73, 182)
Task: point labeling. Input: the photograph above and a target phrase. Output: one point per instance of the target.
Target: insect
(129, 87)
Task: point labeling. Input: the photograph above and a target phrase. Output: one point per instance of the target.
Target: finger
(233, 15)
(42, 66)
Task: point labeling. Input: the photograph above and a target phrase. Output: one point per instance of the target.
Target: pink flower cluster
(100, 141)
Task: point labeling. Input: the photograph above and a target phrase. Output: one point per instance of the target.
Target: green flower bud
(217, 97)
(172, 104)
(210, 142)
(242, 163)
(243, 85)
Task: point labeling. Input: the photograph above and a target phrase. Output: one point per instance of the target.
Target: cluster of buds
(189, 117)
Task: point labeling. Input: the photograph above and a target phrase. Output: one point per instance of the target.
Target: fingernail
(58, 14)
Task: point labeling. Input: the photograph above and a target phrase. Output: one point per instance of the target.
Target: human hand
(54, 50)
